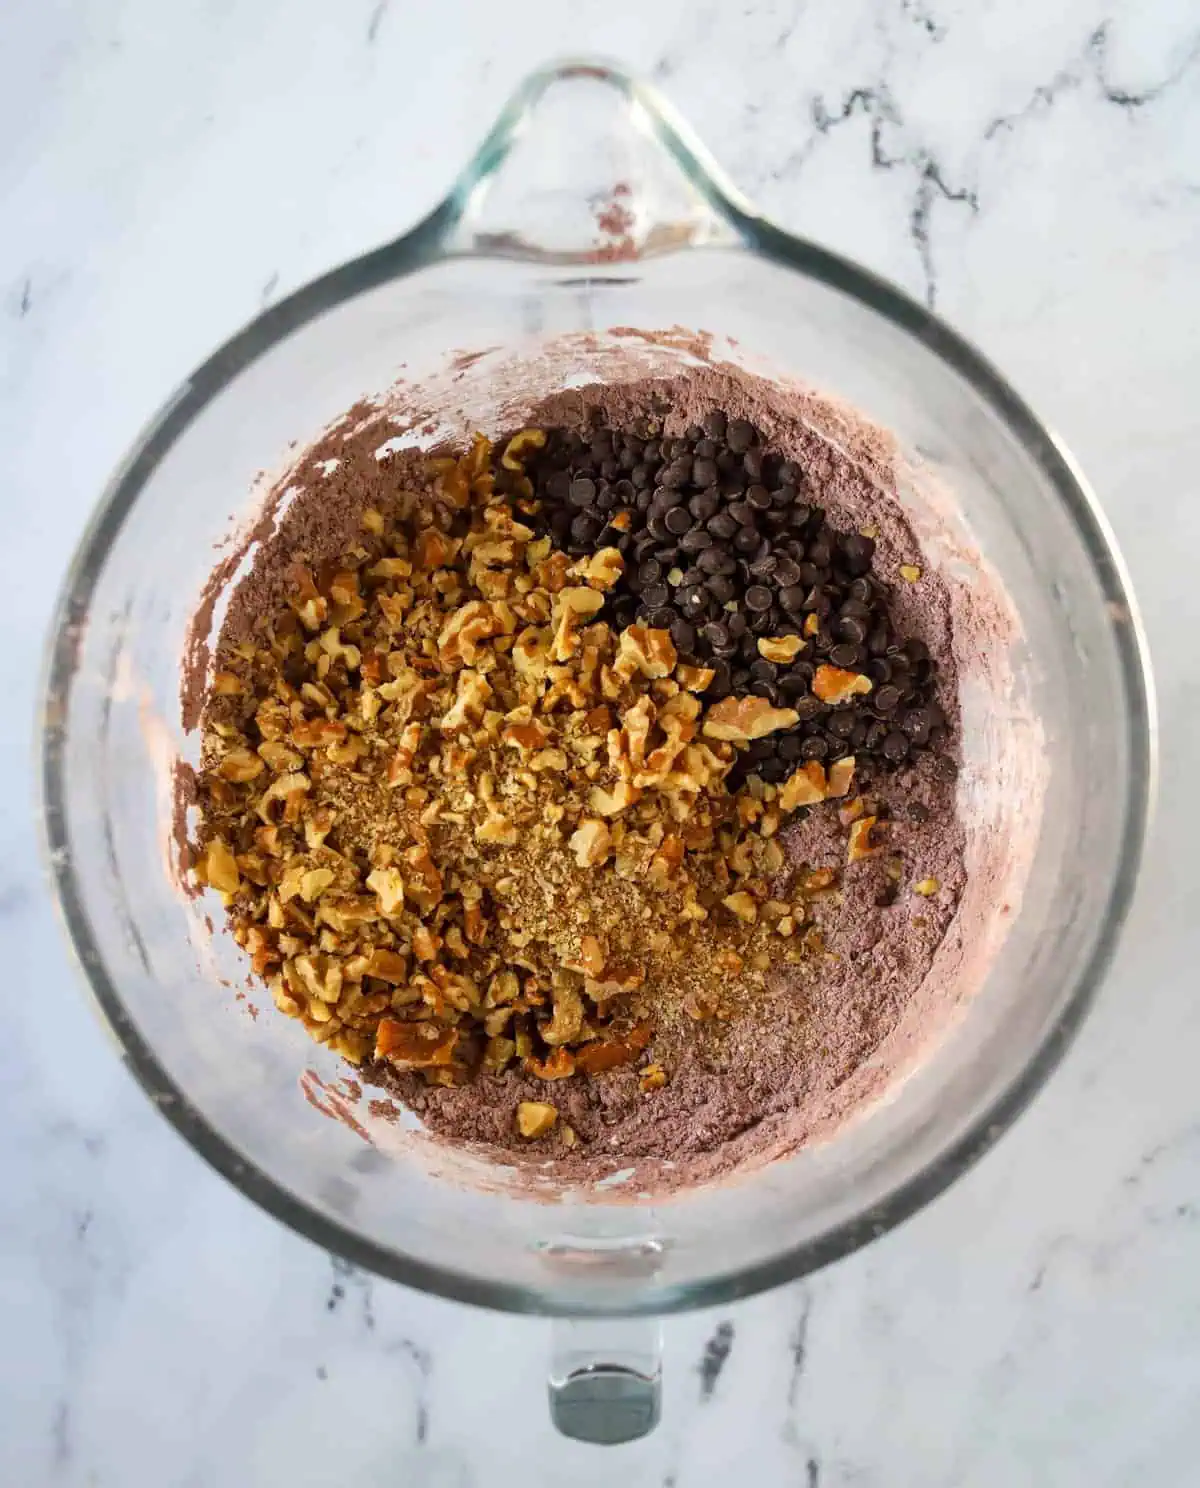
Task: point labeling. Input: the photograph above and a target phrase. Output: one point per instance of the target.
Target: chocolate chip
(722, 526)
(857, 554)
(719, 687)
(704, 505)
(916, 724)
(845, 656)
(585, 528)
(895, 746)
(754, 559)
(684, 636)
(583, 492)
(714, 561)
(692, 601)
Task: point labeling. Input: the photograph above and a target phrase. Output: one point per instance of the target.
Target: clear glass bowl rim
(437, 238)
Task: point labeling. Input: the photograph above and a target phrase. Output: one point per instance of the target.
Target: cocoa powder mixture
(829, 1018)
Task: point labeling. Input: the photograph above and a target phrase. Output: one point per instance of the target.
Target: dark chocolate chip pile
(723, 545)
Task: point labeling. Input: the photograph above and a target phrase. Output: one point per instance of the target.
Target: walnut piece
(591, 842)
(780, 649)
(414, 1046)
(861, 845)
(806, 786)
(535, 1118)
(742, 720)
(836, 685)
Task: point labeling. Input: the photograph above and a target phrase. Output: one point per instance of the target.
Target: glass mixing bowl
(510, 258)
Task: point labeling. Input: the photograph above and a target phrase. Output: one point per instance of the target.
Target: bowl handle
(605, 1381)
(588, 165)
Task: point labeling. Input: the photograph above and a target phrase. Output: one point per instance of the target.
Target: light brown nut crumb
(861, 845)
(742, 720)
(520, 446)
(742, 905)
(804, 787)
(835, 685)
(841, 776)
(781, 649)
(535, 1118)
(591, 843)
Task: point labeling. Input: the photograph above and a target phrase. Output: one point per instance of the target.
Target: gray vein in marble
(798, 1349)
(268, 290)
(378, 12)
(60, 1430)
(1093, 64)
(880, 108)
(920, 16)
(714, 1358)
(349, 1278)
(423, 1360)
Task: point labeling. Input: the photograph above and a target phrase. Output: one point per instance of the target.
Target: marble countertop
(1031, 170)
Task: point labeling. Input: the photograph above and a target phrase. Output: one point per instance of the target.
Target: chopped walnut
(591, 843)
(806, 786)
(836, 685)
(643, 650)
(780, 649)
(743, 905)
(861, 845)
(602, 569)
(741, 720)
(415, 1046)
(535, 1118)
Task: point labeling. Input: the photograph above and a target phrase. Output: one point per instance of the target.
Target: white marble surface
(1034, 170)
